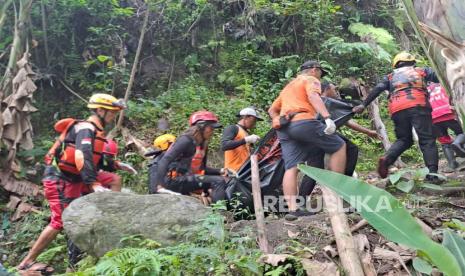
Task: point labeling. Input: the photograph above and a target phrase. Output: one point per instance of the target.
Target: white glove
(166, 191)
(252, 139)
(330, 127)
(97, 188)
(229, 172)
(127, 167)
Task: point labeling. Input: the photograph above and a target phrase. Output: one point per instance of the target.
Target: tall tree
(3, 14)
(439, 26)
(135, 64)
(16, 88)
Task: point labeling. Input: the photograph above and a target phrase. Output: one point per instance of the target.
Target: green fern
(380, 35)
(337, 46)
(130, 261)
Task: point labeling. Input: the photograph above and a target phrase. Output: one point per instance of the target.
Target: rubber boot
(458, 145)
(432, 176)
(450, 156)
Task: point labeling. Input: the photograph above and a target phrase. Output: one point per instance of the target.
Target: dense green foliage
(197, 54)
(212, 55)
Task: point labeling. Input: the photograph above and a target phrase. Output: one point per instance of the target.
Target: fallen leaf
(273, 259)
(292, 235)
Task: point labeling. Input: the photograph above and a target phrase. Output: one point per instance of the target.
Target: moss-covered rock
(96, 223)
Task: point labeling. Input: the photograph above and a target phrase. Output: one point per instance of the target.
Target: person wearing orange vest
(294, 115)
(72, 167)
(236, 139)
(444, 118)
(108, 165)
(183, 167)
(409, 107)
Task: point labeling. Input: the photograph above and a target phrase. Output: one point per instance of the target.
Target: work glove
(251, 139)
(127, 167)
(166, 191)
(358, 109)
(98, 188)
(228, 172)
(330, 127)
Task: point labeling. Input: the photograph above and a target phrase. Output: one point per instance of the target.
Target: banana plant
(388, 216)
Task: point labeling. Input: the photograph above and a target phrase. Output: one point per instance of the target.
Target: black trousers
(420, 119)
(308, 184)
(441, 129)
(189, 183)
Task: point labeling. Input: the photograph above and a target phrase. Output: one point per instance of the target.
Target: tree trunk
(44, 31)
(18, 46)
(258, 206)
(3, 15)
(134, 66)
(442, 22)
(342, 234)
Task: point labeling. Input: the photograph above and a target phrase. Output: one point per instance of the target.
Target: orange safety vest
(197, 160)
(63, 154)
(233, 159)
(408, 89)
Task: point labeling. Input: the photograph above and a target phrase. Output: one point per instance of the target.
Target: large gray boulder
(96, 223)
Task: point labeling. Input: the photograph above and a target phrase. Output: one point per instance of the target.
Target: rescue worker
(409, 107)
(294, 115)
(72, 167)
(444, 118)
(183, 168)
(108, 165)
(160, 145)
(307, 185)
(236, 139)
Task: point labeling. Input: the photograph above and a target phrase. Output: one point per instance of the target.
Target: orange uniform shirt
(294, 98)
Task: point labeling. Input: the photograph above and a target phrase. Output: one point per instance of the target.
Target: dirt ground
(311, 237)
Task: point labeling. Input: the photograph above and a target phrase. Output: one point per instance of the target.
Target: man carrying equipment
(72, 166)
(301, 135)
(409, 107)
(236, 139)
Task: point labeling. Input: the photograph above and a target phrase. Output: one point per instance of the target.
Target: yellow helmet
(403, 56)
(105, 101)
(164, 141)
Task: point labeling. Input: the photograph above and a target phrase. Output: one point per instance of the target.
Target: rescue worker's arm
(177, 149)
(313, 94)
(274, 111)
(375, 92)
(227, 140)
(313, 89)
(431, 75)
(371, 133)
(85, 135)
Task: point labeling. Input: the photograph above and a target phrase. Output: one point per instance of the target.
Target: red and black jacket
(78, 150)
(407, 88)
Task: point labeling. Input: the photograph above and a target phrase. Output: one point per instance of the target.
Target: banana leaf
(456, 245)
(387, 215)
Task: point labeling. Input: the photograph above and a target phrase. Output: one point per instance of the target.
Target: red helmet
(110, 147)
(204, 116)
